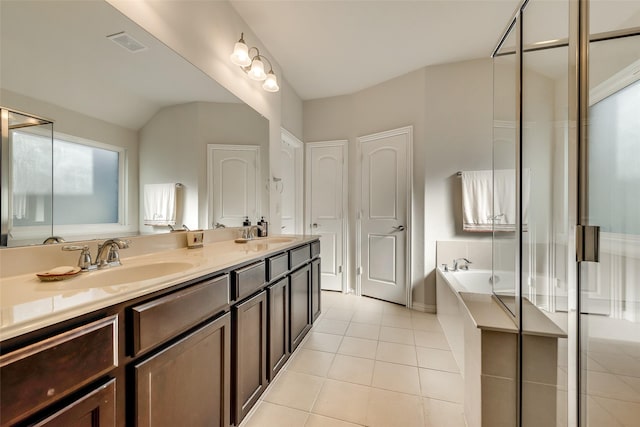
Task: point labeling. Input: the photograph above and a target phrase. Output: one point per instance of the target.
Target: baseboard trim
(425, 308)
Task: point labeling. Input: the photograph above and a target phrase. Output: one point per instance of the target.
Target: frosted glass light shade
(257, 70)
(271, 83)
(240, 55)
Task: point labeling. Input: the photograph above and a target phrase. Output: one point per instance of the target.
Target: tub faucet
(108, 254)
(457, 266)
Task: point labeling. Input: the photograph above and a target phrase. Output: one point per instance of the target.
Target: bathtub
(479, 281)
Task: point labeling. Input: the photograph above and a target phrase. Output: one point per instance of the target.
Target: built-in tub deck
(483, 336)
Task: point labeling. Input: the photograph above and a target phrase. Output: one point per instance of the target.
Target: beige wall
(173, 148)
(204, 33)
(450, 109)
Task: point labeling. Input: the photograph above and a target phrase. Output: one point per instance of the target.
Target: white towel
(478, 196)
(160, 204)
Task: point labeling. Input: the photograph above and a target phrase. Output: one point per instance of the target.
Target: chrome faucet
(108, 254)
(457, 266)
(249, 232)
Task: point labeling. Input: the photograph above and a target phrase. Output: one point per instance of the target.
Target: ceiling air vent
(124, 40)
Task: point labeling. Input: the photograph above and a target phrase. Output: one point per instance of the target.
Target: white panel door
(326, 202)
(290, 186)
(233, 183)
(384, 215)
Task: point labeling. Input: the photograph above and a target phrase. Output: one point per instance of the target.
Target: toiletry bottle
(263, 231)
(246, 222)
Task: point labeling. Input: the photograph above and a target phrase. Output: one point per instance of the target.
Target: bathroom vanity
(192, 347)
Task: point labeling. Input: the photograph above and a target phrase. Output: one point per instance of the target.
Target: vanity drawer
(277, 266)
(163, 318)
(299, 256)
(40, 374)
(248, 280)
(315, 248)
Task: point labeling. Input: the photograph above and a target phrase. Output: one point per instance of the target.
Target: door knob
(314, 225)
(398, 228)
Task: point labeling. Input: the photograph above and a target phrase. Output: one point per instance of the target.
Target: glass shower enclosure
(567, 137)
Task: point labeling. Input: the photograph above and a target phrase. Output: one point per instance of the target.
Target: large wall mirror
(128, 115)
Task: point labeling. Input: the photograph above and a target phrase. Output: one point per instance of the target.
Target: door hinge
(339, 269)
(588, 243)
(359, 271)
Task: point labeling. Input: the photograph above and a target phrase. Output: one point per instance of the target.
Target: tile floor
(366, 363)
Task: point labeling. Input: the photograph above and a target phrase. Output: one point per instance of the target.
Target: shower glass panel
(610, 289)
(545, 228)
(27, 203)
(505, 113)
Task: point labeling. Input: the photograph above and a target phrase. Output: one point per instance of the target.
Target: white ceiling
(328, 48)
(335, 47)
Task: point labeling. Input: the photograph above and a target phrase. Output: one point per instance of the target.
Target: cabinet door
(95, 409)
(278, 351)
(187, 383)
(300, 315)
(316, 289)
(250, 345)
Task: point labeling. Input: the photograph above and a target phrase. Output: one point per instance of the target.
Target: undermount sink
(265, 244)
(126, 274)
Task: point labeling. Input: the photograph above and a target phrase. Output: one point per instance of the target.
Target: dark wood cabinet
(316, 290)
(188, 382)
(49, 370)
(278, 322)
(300, 319)
(250, 354)
(199, 353)
(95, 409)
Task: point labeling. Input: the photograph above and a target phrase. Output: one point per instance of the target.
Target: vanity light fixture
(254, 65)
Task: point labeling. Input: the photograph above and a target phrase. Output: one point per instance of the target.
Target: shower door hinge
(588, 243)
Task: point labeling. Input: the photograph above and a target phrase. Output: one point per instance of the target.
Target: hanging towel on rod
(485, 211)
(160, 204)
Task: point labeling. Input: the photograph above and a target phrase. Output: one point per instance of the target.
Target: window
(85, 178)
(614, 150)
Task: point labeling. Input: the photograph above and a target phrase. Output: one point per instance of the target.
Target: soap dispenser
(263, 229)
(246, 222)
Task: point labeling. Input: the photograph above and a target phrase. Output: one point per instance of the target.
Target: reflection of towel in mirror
(478, 196)
(160, 204)
(19, 205)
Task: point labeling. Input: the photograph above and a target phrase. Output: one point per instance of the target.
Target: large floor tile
(425, 322)
(344, 401)
(331, 326)
(396, 320)
(311, 362)
(397, 335)
(351, 369)
(358, 347)
(431, 339)
(295, 390)
(397, 353)
(626, 413)
(368, 317)
(269, 415)
(335, 313)
(322, 342)
(610, 386)
(321, 421)
(440, 413)
(394, 377)
(390, 408)
(434, 358)
(442, 385)
(363, 330)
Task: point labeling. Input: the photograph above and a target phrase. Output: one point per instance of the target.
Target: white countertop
(27, 304)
